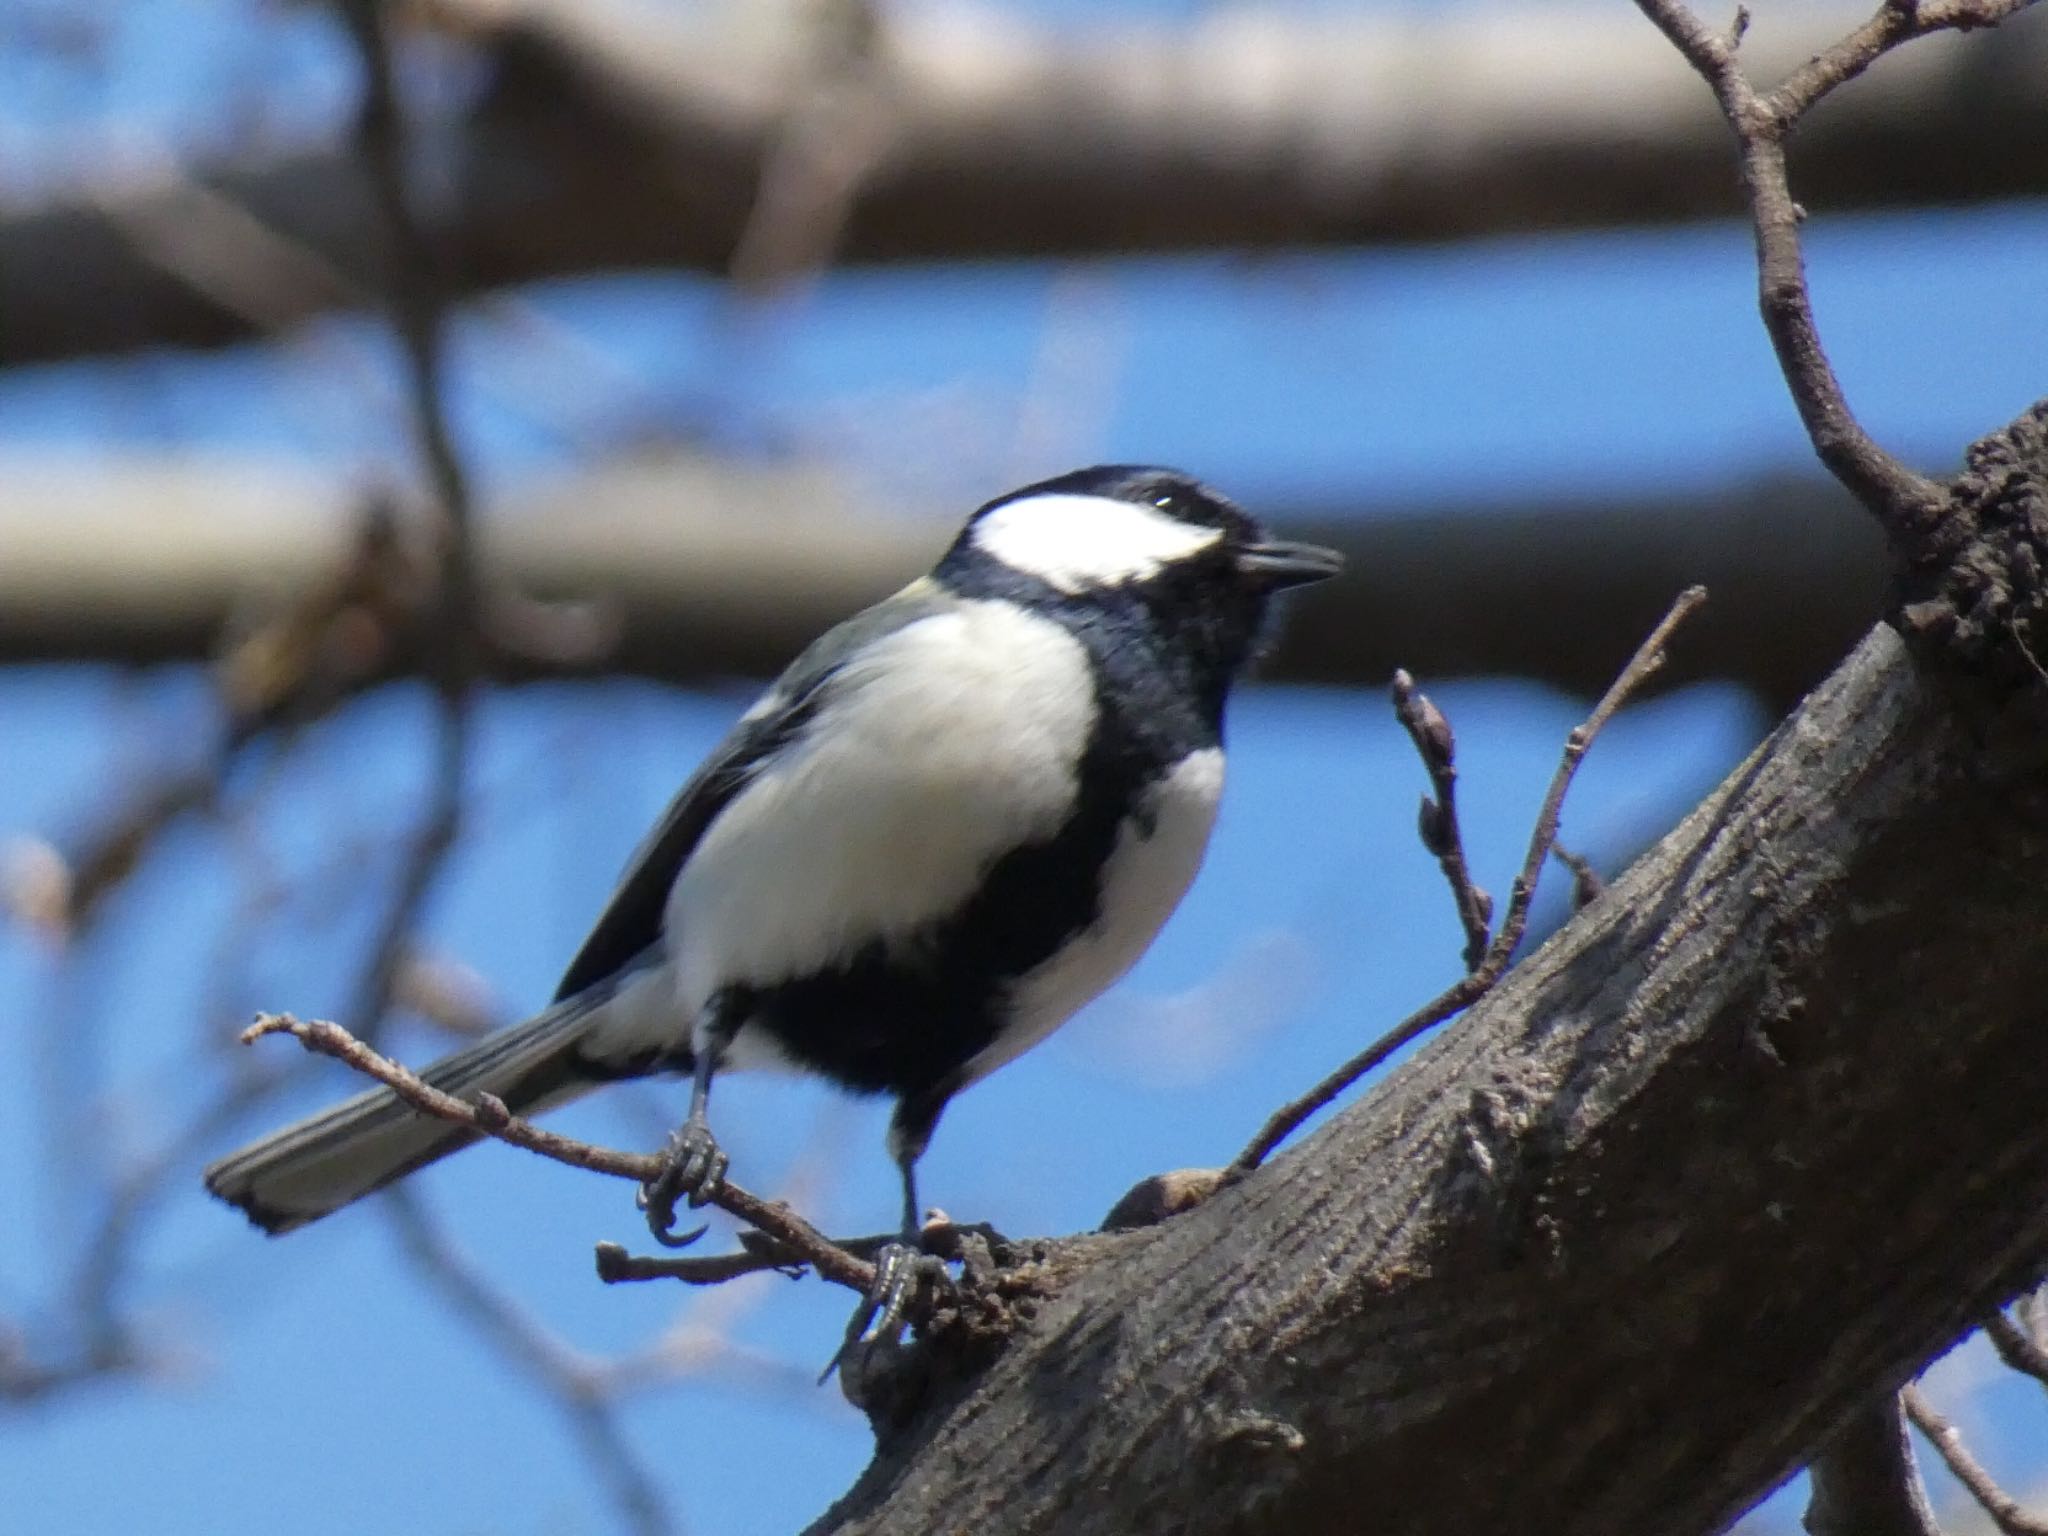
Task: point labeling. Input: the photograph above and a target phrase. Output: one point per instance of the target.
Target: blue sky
(313, 1383)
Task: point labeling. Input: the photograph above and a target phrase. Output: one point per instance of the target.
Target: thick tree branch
(1865, 1482)
(635, 134)
(1582, 1254)
(707, 569)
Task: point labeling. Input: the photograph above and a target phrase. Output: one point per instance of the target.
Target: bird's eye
(1165, 502)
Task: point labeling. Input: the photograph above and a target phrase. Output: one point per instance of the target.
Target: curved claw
(878, 1322)
(678, 1239)
(692, 1166)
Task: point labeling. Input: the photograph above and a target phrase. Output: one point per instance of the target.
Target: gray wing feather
(632, 920)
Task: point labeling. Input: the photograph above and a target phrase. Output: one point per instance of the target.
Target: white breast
(1147, 874)
(941, 748)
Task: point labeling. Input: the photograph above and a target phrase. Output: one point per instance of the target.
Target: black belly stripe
(903, 1019)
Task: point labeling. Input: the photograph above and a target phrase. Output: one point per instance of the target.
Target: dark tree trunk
(1757, 1134)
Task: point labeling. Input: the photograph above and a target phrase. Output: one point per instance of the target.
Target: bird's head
(1137, 537)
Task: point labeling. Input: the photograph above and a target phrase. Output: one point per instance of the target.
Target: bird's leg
(913, 1213)
(692, 1163)
(902, 1267)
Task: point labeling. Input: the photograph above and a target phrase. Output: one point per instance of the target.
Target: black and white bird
(955, 819)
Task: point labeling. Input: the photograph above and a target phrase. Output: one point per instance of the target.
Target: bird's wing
(632, 919)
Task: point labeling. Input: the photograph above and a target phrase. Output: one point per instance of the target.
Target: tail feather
(320, 1164)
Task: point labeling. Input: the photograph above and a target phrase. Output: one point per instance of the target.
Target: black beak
(1275, 565)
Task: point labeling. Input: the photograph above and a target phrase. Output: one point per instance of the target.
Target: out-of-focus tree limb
(620, 133)
(714, 570)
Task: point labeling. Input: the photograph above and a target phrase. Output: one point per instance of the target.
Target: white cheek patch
(1074, 542)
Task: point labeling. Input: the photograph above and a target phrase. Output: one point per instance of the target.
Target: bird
(959, 816)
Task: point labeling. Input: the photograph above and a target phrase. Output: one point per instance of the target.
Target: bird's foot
(692, 1167)
(875, 1332)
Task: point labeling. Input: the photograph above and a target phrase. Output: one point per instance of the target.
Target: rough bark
(1755, 1135)
(629, 134)
(719, 570)
(1865, 1483)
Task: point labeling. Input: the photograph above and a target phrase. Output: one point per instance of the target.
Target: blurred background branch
(696, 593)
(630, 133)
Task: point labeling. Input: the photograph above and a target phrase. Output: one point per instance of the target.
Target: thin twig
(416, 299)
(1947, 1440)
(758, 1254)
(25, 1379)
(2033, 1316)
(1587, 885)
(101, 1340)
(1896, 22)
(616, 1266)
(763, 1252)
(2018, 1347)
(1909, 506)
(489, 1117)
(451, 633)
(701, 1341)
(418, 312)
(1476, 984)
(1437, 819)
